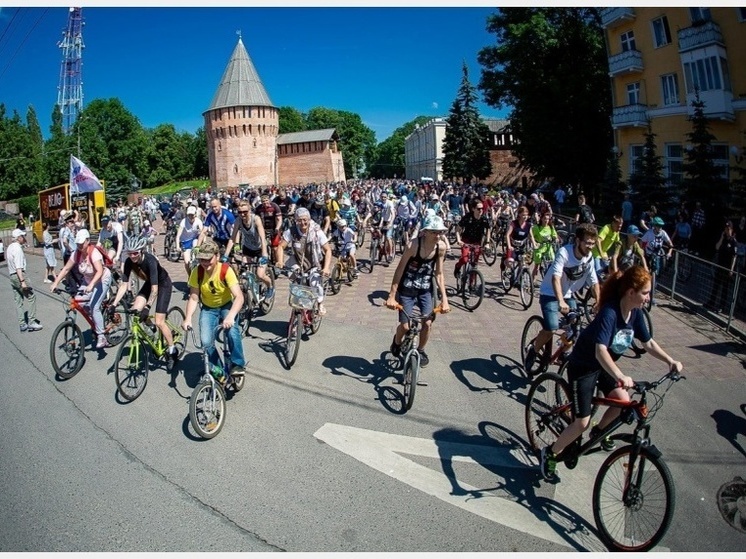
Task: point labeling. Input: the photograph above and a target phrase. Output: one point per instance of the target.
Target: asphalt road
(321, 458)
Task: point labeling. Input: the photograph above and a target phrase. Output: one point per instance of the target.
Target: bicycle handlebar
(642, 386)
(436, 310)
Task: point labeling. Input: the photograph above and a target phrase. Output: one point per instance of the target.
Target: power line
(8, 28)
(24, 41)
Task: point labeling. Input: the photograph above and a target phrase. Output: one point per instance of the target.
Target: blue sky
(386, 64)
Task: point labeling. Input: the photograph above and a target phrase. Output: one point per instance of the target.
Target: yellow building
(658, 58)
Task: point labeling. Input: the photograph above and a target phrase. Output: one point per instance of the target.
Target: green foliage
(170, 155)
(201, 166)
(550, 64)
(389, 157)
(356, 141)
(702, 181)
(611, 189)
(28, 205)
(648, 181)
(465, 145)
(291, 120)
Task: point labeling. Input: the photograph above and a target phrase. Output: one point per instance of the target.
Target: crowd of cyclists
(305, 227)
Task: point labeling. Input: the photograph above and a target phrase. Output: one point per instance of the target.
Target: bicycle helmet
(656, 221)
(136, 244)
(341, 223)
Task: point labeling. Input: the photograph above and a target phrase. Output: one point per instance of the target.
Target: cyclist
(594, 356)
(386, 220)
(285, 203)
(221, 299)
(96, 278)
(628, 251)
(471, 230)
(608, 236)
(319, 214)
(347, 238)
(421, 262)
(658, 248)
(156, 287)
(571, 270)
(271, 216)
(249, 234)
(543, 237)
(187, 234)
(406, 216)
(111, 238)
(348, 212)
(311, 250)
(219, 222)
(519, 232)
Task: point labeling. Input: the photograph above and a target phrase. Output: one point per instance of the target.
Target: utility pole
(70, 88)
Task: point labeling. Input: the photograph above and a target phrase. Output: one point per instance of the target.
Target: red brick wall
(304, 168)
(505, 169)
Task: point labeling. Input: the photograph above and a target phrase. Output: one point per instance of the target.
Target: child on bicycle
(347, 238)
(593, 359)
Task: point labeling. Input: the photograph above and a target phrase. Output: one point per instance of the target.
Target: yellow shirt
(608, 237)
(213, 292)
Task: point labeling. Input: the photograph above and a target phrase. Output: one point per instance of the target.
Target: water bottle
(217, 373)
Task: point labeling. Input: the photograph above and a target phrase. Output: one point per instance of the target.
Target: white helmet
(342, 223)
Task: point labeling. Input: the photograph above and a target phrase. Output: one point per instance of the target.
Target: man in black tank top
(421, 263)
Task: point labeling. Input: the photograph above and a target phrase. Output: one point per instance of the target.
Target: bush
(28, 205)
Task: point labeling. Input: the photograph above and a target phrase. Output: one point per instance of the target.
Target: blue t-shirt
(609, 329)
(222, 224)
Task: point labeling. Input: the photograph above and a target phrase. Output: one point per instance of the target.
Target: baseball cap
(82, 236)
(433, 223)
(191, 210)
(18, 233)
(633, 230)
(208, 250)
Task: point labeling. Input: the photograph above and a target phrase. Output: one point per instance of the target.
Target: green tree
(291, 120)
(356, 141)
(551, 66)
(466, 143)
(611, 189)
(389, 158)
(58, 149)
(648, 181)
(20, 158)
(702, 179)
(169, 155)
(199, 154)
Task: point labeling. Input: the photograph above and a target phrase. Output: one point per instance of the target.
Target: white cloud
(435, 104)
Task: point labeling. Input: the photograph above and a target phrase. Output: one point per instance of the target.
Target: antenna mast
(70, 89)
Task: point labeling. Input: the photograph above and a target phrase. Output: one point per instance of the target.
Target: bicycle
(342, 269)
(400, 236)
(145, 344)
(470, 281)
(628, 515)
(207, 407)
(377, 251)
(409, 357)
(171, 248)
(360, 235)
(255, 294)
(489, 251)
(569, 329)
(304, 312)
(67, 346)
(518, 274)
(547, 256)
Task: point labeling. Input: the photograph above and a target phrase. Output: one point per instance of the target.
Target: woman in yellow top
(543, 235)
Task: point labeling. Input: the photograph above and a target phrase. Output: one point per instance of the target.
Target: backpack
(108, 262)
(201, 274)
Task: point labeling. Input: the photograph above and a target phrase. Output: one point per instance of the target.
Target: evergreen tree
(466, 143)
(738, 185)
(648, 181)
(611, 189)
(702, 180)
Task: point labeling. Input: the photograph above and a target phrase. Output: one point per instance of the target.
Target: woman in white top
(187, 234)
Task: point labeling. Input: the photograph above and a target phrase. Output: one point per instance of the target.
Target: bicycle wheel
(527, 289)
(116, 325)
(360, 237)
(409, 380)
(67, 349)
(335, 281)
(548, 410)
(489, 252)
(372, 255)
(207, 409)
(473, 290)
(292, 343)
(316, 319)
(168, 244)
(452, 234)
(175, 318)
(402, 242)
(531, 329)
(588, 303)
(633, 500)
(266, 305)
(506, 277)
(131, 368)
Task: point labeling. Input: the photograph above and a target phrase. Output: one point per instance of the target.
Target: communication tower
(70, 89)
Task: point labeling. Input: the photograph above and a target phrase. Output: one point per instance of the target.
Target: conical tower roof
(240, 84)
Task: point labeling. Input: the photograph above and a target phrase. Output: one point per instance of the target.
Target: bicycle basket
(301, 297)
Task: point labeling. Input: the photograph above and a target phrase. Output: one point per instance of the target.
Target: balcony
(699, 36)
(634, 116)
(627, 62)
(613, 17)
(718, 104)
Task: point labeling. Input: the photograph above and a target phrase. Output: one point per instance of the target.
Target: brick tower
(241, 126)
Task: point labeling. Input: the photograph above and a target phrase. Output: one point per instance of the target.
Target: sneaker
(395, 348)
(102, 343)
(322, 310)
(269, 293)
(237, 371)
(47, 280)
(172, 357)
(606, 443)
(548, 464)
(34, 326)
(530, 358)
(24, 327)
(424, 359)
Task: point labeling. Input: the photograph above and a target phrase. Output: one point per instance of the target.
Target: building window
(635, 159)
(674, 164)
(700, 15)
(633, 93)
(220, 146)
(661, 32)
(628, 41)
(670, 89)
(707, 74)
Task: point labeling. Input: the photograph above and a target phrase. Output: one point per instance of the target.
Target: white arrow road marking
(381, 452)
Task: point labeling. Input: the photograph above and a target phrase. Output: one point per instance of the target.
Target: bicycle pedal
(421, 382)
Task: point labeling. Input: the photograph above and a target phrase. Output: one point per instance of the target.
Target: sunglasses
(243, 213)
(479, 208)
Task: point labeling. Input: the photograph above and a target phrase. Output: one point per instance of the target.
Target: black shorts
(164, 295)
(251, 253)
(583, 388)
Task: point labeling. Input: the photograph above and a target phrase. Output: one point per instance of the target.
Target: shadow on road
(730, 426)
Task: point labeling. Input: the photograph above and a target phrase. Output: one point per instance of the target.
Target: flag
(82, 178)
